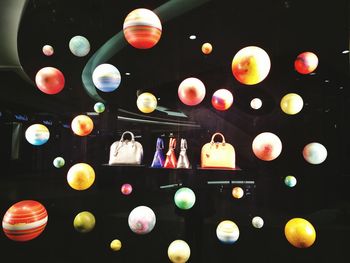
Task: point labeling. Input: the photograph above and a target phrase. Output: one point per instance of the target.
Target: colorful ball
(179, 251)
(290, 181)
(49, 80)
(257, 222)
(251, 65)
(82, 125)
(48, 50)
(267, 146)
(207, 48)
(256, 103)
(37, 134)
(300, 233)
(184, 198)
(126, 189)
(84, 222)
(142, 220)
(222, 99)
(58, 162)
(116, 245)
(142, 28)
(292, 103)
(81, 176)
(79, 46)
(315, 153)
(191, 91)
(106, 77)
(24, 220)
(99, 107)
(227, 232)
(306, 62)
(146, 102)
(237, 192)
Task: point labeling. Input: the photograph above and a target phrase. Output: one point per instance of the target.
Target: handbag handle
(220, 134)
(172, 143)
(183, 144)
(160, 143)
(132, 136)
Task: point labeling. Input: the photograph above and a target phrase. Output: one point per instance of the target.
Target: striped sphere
(142, 28)
(24, 220)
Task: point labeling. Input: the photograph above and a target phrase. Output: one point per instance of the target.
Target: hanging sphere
(49, 80)
(116, 245)
(84, 222)
(82, 125)
(99, 107)
(37, 134)
(48, 50)
(126, 189)
(251, 65)
(267, 146)
(25, 220)
(146, 102)
(292, 103)
(237, 192)
(227, 232)
(290, 181)
(142, 28)
(207, 48)
(306, 62)
(315, 153)
(191, 91)
(79, 46)
(142, 220)
(184, 198)
(257, 222)
(106, 77)
(81, 176)
(179, 251)
(58, 162)
(222, 99)
(300, 233)
(256, 103)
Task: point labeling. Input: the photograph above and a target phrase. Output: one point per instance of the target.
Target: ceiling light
(326, 80)
(313, 73)
(127, 73)
(345, 51)
(192, 37)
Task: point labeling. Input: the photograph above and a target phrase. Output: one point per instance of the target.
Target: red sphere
(306, 63)
(222, 99)
(49, 80)
(191, 91)
(126, 189)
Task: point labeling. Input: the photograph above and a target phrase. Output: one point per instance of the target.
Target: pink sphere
(267, 146)
(49, 80)
(222, 99)
(126, 189)
(191, 91)
(306, 62)
(48, 50)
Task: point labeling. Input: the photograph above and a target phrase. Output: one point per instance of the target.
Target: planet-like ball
(191, 91)
(116, 245)
(25, 220)
(315, 153)
(207, 48)
(106, 77)
(306, 63)
(300, 233)
(126, 189)
(84, 222)
(227, 232)
(256, 103)
(257, 222)
(58, 162)
(179, 251)
(81, 176)
(37, 134)
(184, 198)
(251, 65)
(48, 50)
(142, 220)
(292, 103)
(142, 28)
(222, 99)
(49, 80)
(146, 102)
(99, 107)
(290, 181)
(79, 46)
(267, 146)
(237, 192)
(82, 125)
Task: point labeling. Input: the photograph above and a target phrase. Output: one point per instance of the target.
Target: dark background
(283, 29)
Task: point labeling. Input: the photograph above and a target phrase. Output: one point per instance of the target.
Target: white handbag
(126, 151)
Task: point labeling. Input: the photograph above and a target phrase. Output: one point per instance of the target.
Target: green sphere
(99, 107)
(184, 198)
(84, 222)
(290, 181)
(58, 162)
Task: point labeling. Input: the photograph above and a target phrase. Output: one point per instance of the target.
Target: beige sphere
(116, 245)
(179, 251)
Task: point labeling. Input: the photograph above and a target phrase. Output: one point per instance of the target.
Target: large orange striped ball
(24, 220)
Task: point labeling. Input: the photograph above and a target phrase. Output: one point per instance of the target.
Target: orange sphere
(267, 146)
(191, 91)
(306, 63)
(82, 125)
(300, 233)
(237, 192)
(81, 176)
(49, 80)
(207, 48)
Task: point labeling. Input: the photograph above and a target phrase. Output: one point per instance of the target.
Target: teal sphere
(58, 162)
(99, 107)
(79, 46)
(184, 198)
(290, 181)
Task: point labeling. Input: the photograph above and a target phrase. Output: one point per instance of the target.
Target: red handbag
(170, 161)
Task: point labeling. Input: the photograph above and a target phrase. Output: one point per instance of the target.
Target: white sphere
(227, 232)
(315, 153)
(256, 103)
(257, 222)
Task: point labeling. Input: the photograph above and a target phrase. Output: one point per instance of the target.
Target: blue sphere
(106, 77)
(79, 46)
(290, 181)
(37, 134)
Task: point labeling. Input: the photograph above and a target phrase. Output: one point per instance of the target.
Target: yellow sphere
(81, 176)
(179, 251)
(207, 48)
(146, 102)
(116, 245)
(300, 233)
(84, 222)
(237, 192)
(292, 103)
